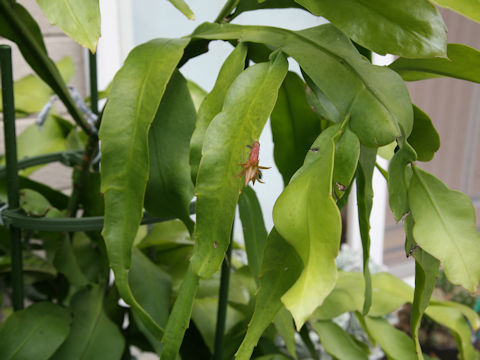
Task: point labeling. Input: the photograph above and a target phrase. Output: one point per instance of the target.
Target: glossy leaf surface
(410, 28)
(93, 335)
(213, 103)
(462, 63)
(80, 20)
(374, 97)
(281, 266)
(254, 232)
(294, 126)
(169, 188)
(445, 227)
(307, 217)
(34, 333)
(133, 102)
(248, 104)
(337, 342)
(424, 137)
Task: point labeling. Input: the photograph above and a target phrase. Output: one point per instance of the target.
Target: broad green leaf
(66, 263)
(461, 63)
(34, 203)
(254, 232)
(92, 200)
(366, 165)
(169, 188)
(398, 175)
(319, 103)
(472, 317)
(183, 8)
(281, 266)
(426, 272)
(348, 295)
(395, 343)
(31, 263)
(424, 137)
(213, 103)
(250, 5)
(468, 8)
(93, 335)
(17, 25)
(445, 227)
(347, 153)
(410, 28)
(197, 94)
(204, 314)
(152, 288)
(31, 93)
(294, 126)
(78, 19)
(453, 319)
(337, 342)
(133, 102)
(165, 235)
(286, 328)
(374, 97)
(389, 293)
(307, 217)
(34, 333)
(180, 316)
(248, 104)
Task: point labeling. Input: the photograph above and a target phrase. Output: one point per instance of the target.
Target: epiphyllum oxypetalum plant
(251, 169)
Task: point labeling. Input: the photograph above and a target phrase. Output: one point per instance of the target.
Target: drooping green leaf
(197, 94)
(17, 25)
(92, 200)
(424, 137)
(134, 99)
(34, 333)
(468, 8)
(31, 263)
(375, 98)
(366, 165)
(286, 328)
(169, 188)
(411, 28)
(213, 103)
(453, 319)
(398, 175)
(389, 293)
(78, 19)
(294, 126)
(472, 317)
(347, 153)
(461, 64)
(93, 335)
(66, 263)
(395, 343)
(319, 103)
(34, 203)
(165, 235)
(307, 217)
(180, 316)
(426, 272)
(204, 314)
(152, 288)
(248, 104)
(281, 266)
(183, 8)
(445, 227)
(254, 232)
(337, 342)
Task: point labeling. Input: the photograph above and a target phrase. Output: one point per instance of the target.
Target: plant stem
(222, 302)
(226, 10)
(12, 172)
(304, 334)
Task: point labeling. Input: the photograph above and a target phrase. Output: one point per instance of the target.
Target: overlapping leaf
(307, 217)
(213, 103)
(462, 63)
(410, 28)
(248, 104)
(424, 137)
(468, 8)
(169, 188)
(133, 102)
(294, 126)
(374, 97)
(78, 19)
(445, 227)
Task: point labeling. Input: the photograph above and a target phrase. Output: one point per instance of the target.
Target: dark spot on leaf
(215, 245)
(314, 150)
